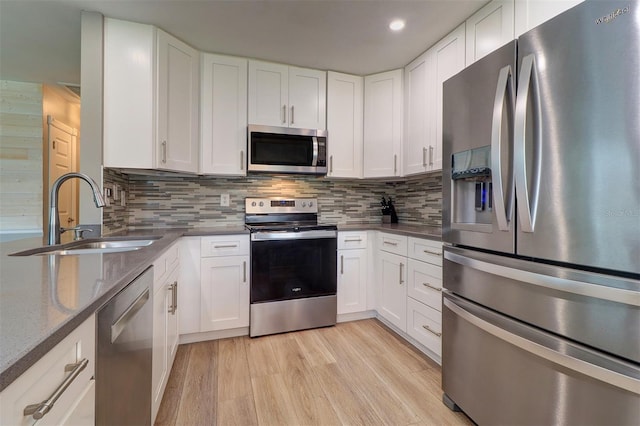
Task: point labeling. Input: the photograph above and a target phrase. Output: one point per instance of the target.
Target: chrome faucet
(54, 218)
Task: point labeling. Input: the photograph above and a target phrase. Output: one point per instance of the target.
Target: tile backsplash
(194, 201)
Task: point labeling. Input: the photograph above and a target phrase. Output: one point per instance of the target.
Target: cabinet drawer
(224, 245)
(425, 325)
(166, 262)
(425, 250)
(352, 240)
(392, 243)
(45, 376)
(425, 283)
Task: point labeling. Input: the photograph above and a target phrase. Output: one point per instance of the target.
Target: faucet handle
(78, 231)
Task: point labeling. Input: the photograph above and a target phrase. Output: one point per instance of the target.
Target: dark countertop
(43, 298)
(428, 232)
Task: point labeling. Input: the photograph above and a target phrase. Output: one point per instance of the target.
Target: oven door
(289, 265)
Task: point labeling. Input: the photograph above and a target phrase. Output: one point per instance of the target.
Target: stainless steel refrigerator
(541, 224)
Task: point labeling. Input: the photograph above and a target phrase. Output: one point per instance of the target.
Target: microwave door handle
(314, 162)
(504, 92)
(527, 86)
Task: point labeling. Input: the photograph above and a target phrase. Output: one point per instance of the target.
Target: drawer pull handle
(426, 327)
(354, 240)
(435, 253)
(390, 243)
(226, 246)
(244, 271)
(432, 287)
(341, 264)
(173, 288)
(38, 411)
(401, 274)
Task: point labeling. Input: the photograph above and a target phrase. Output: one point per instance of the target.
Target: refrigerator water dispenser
(471, 188)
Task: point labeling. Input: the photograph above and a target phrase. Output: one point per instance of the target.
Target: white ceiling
(40, 39)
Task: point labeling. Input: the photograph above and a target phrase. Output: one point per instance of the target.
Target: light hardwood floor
(356, 373)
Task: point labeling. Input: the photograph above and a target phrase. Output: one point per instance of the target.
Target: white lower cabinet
(224, 293)
(165, 322)
(409, 281)
(393, 288)
(76, 404)
(352, 272)
(224, 282)
(425, 325)
(424, 304)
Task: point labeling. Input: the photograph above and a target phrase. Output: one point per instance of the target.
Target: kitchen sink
(92, 246)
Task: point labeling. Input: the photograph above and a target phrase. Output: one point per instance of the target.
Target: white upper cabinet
(345, 124)
(307, 98)
(151, 89)
(280, 95)
(383, 124)
(419, 110)
(223, 109)
(531, 13)
(178, 87)
(448, 56)
(488, 29)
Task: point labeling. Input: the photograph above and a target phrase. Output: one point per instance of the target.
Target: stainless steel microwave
(287, 150)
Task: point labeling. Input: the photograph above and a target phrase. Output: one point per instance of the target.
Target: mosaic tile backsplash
(194, 201)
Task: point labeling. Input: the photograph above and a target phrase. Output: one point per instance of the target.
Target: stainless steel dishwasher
(123, 367)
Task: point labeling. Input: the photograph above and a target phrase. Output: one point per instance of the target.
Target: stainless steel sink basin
(92, 246)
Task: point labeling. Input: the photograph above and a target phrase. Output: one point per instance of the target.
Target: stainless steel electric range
(293, 266)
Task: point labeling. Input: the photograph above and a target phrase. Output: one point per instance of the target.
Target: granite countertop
(43, 298)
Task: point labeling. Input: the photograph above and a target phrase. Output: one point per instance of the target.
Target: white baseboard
(355, 316)
(213, 335)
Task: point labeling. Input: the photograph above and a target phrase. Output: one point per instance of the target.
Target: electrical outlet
(224, 200)
(123, 198)
(107, 197)
(116, 192)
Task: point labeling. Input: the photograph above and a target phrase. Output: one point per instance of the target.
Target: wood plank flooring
(356, 373)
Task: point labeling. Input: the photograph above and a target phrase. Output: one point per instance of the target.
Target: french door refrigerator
(541, 224)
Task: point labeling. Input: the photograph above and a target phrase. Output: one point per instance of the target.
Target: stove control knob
(304, 204)
(310, 203)
(253, 204)
(261, 204)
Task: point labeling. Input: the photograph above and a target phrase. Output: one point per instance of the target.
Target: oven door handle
(288, 235)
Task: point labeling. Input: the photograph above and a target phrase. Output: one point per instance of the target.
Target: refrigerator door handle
(610, 377)
(613, 294)
(504, 92)
(527, 87)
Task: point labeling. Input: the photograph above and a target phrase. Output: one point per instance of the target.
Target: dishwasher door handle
(121, 323)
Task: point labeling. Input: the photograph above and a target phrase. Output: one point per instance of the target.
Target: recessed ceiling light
(396, 25)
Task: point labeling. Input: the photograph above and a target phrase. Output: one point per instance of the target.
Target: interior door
(577, 133)
(62, 146)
